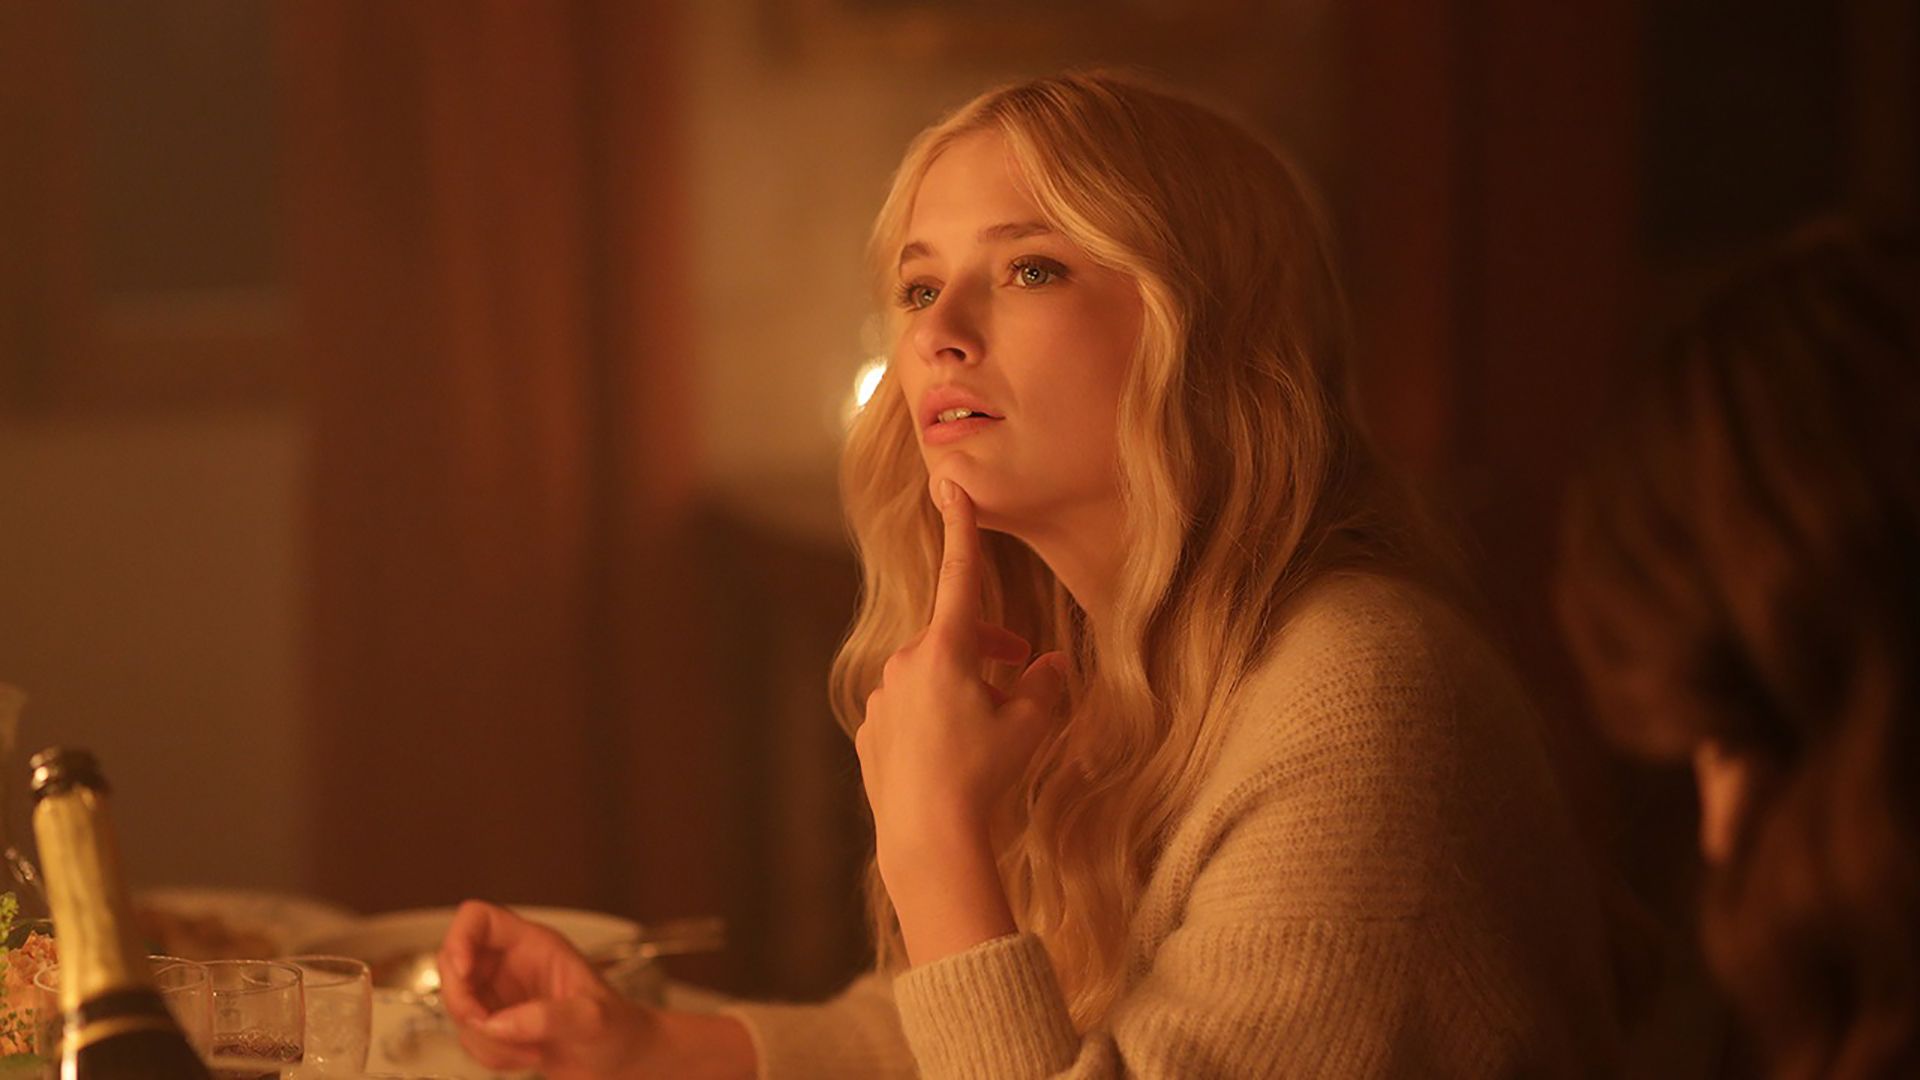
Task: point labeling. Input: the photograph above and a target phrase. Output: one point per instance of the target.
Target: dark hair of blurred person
(1740, 584)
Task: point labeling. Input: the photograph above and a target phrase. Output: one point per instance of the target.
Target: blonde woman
(1177, 767)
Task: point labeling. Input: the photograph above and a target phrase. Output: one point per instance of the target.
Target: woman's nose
(948, 331)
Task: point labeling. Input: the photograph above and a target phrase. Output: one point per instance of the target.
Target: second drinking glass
(259, 1018)
(339, 993)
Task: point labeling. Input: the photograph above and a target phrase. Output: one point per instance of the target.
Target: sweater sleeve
(1300, 1000)
(1352, 969)
(1375, 880)
(856, 1034)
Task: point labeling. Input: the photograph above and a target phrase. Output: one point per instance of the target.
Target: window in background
(145, 193)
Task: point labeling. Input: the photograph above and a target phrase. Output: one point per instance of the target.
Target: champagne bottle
(115, 1023)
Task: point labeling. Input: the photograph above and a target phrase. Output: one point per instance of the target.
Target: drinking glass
(183, 985)
(188, 992)
(339, 993)
(259, 1018)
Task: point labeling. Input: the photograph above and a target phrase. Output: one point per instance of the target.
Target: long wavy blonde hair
(1244, 473)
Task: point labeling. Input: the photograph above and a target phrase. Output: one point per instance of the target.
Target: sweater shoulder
(1369, 670)
(1383, 749)
(1381, 761)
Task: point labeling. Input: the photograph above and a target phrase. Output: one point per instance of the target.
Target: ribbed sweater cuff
(994, 1011)
(802, 1042)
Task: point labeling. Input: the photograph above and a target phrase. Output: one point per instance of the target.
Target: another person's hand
(522, 997)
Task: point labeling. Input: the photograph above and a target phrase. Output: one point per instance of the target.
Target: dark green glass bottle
(115, 1025)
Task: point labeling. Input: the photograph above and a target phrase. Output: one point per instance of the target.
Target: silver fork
(19, 867)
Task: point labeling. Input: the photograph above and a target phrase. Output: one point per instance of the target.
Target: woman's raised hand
(941, 749)
(523, 997)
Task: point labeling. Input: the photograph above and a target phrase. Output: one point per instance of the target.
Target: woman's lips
(954, 430)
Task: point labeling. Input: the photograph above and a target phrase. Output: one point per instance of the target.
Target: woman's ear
(1725, 780)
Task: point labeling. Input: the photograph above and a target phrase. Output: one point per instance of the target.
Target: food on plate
(30, 951)
(200, 935)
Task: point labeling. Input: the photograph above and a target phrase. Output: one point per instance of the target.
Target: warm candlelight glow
(865, 382)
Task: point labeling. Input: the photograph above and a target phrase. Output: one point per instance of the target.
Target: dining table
(411, 1036)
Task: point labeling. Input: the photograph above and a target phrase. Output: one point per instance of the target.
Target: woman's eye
(916, 295)
(1033, 273)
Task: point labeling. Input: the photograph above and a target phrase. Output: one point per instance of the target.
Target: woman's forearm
(949, 898)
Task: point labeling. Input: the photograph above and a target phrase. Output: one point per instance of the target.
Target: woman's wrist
(946, 891)
(932, 834)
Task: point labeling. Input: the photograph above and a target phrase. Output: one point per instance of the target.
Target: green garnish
(16, 1023)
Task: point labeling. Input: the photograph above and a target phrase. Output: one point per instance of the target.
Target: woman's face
(1013, 346)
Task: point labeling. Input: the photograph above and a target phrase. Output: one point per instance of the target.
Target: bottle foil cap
(59, 768)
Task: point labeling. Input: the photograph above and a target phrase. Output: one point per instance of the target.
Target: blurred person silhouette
(1740, 585)
(1181, 760)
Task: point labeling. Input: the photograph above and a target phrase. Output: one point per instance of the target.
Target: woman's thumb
(527, 1022)
(1044, 683)
(562, 1020)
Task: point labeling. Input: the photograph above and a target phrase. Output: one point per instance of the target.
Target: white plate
(374, 937)
(410, 1038)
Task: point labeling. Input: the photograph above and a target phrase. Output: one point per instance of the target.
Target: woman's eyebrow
(1009, 230)
(1015, 230)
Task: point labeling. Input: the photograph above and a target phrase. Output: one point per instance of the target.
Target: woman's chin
(995, 509)
(993, 515)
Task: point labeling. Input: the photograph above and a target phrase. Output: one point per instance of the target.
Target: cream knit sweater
(1378, 879)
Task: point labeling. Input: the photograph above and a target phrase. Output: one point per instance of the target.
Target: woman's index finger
(956, 595)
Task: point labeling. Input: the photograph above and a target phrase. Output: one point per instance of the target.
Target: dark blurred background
(417, 419)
